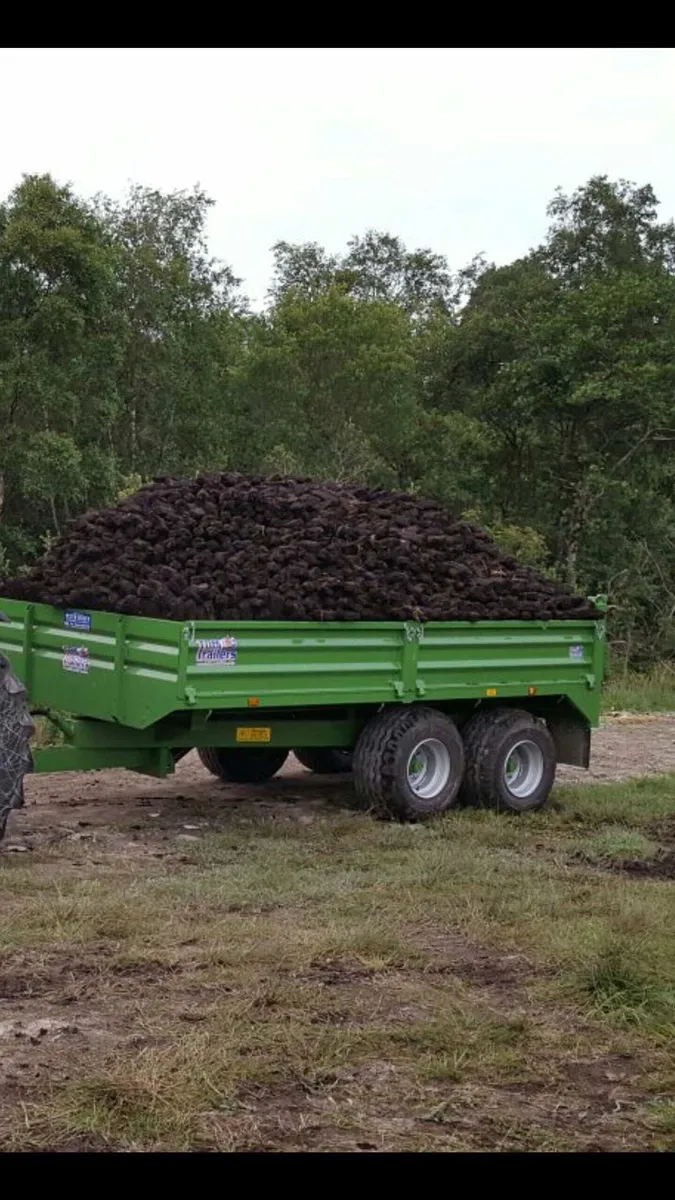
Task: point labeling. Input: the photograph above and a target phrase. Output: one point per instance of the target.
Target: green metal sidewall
(136, 671)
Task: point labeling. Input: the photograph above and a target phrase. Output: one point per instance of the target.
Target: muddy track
(63, 806)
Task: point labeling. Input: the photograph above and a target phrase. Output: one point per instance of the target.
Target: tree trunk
(55, 519)
(570, 565)
(132, 436)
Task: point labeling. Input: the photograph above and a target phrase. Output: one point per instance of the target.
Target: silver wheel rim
(524, 769)
(428, 768)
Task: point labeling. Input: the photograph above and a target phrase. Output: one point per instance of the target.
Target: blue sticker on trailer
(77, 620)
(576, 652)
(217, 650)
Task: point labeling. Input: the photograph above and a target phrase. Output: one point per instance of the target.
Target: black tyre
(16, 729)
(510, 761)
(326, 762)
(409, 763)
(243, 766)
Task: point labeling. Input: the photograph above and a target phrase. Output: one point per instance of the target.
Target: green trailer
(426, 715)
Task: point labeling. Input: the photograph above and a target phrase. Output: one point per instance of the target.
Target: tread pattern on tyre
(210, 760)
(479, 736)
(215, 760)
(16, 730)
(375, 755)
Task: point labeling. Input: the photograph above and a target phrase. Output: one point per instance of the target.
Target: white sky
(459, 150)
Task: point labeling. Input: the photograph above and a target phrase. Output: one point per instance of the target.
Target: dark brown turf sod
(234, 547)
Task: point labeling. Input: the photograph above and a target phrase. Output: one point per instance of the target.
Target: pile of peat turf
(234, 547)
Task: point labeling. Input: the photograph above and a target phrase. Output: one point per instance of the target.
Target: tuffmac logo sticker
(217, 650)
(77, 620)
(576, 652)
(76, 658)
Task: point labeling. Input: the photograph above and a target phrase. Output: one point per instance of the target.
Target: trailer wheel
(16, 729)
(325, 762)
(242, 766)
(510, 761)
(409, 763)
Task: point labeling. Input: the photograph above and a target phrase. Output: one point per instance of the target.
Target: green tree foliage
(330, 386)
(376, 266)
(606, 227)
(58, 347)
(118, 341)
(537, 397)
(178, 336)
(566, 360)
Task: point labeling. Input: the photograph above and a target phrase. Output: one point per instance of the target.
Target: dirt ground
(625, 747)
(58, 1011)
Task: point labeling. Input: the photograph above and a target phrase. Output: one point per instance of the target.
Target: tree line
(537, 398)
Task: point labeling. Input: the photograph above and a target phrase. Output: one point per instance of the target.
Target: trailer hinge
(414, 632)
(590, 681)
(191, 695)
(399, 690)
(601, 602)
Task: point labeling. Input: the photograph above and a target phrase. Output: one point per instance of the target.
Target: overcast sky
(459, 150)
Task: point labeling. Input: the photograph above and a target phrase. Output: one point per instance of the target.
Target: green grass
(477, 983)
(617, 843)
(641, 692)
(627, 990)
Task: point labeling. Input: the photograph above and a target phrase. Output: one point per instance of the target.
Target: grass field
(328, 982)
(641, 692)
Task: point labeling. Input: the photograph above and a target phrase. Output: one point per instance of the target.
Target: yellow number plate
(253, 733)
